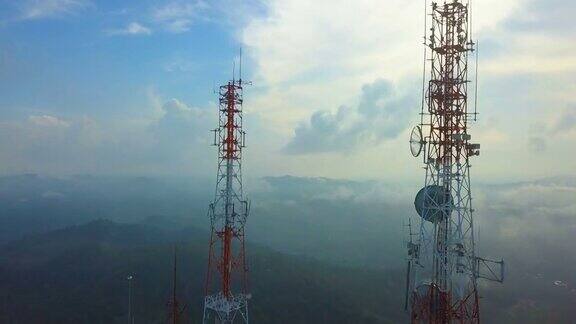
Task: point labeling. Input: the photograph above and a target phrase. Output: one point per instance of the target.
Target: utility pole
(130, 310)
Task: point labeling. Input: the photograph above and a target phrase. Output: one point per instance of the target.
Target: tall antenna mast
(174, 304)
(175, 309)
(226, 292)
(442, 264)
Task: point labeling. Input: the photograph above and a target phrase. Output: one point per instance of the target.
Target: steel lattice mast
(442, 266)
(226, 297)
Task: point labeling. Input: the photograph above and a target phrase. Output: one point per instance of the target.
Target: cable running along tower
(441, 283)
(226, 297)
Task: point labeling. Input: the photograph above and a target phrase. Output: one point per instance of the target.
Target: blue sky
(83, 59)
(125, 87)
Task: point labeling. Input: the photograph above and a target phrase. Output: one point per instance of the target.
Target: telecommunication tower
(226, 296)
(443, 268)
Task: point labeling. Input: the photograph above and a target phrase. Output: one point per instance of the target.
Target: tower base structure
(226, 310)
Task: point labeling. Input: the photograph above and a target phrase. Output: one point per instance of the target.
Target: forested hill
(78, 275)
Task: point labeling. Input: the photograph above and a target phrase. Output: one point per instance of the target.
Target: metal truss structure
(226, 297)
(443, 268)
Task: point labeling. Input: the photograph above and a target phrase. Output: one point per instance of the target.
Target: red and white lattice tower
(226, 297)
(442, 266)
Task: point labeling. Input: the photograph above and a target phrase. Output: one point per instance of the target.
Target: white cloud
(180, 65)
(564, 122)
(48, 121)
(560, 126)
(310, 58)
(133, 28)
(38, 9)
(183, 124)
(380, 114)
(367, 37)
(177, 107)
(174, 17)
(317, 55)
(542, 208)
(179, 25)
(178, 17)
(174, 141)
(535, 53)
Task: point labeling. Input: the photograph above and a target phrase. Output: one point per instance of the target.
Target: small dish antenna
(416, 141)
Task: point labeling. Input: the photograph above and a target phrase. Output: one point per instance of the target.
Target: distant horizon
(210, 178)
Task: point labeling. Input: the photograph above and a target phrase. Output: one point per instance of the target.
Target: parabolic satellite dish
(433, 203)
(416, 141)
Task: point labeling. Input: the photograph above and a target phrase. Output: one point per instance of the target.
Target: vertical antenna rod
(240, 69)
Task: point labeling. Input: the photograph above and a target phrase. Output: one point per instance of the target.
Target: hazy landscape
(330, 250)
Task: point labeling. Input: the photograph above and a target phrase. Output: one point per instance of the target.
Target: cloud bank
(174, 142)
(382, 113)
(133, 28)
(39, 9)
(178, 16)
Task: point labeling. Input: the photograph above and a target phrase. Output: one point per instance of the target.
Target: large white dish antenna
(433, 203)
